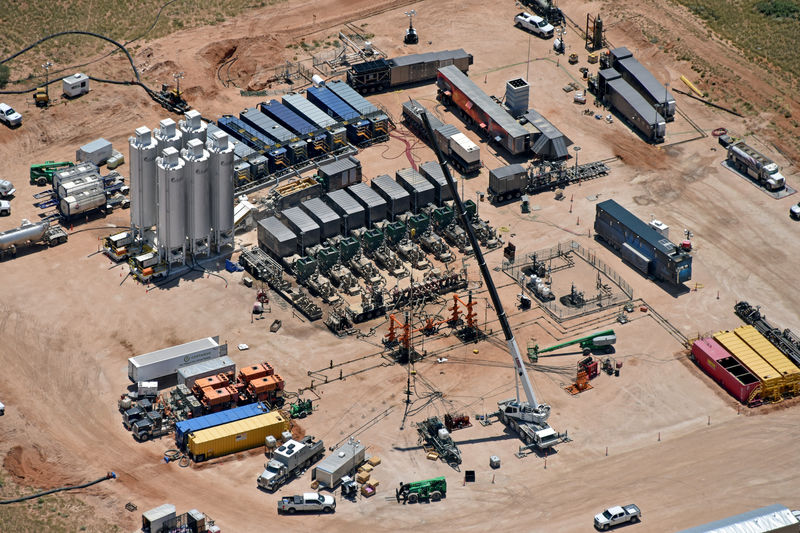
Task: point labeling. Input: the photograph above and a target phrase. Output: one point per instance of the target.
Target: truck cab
(309, 501)
(774, 179)
(6, 189)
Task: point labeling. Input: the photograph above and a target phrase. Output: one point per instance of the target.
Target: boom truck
(756, 166)
(528, 418)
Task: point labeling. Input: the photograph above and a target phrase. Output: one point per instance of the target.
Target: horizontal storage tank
(82, 183)
(186, 427)
(82, 202)
(773, 356)
(163, 363)
(275, 238)
(302, 225)
(421, 190)
(236, 436)
(352, 213)
(340, 174)
(71, 173)
(398, 201)
(187, 375)
(330, 223)
(27, 232)
(718, 363)
(771, 381)
(371, 201)
(433, 173)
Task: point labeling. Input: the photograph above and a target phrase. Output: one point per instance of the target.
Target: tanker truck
(756, 166)
(29, 233)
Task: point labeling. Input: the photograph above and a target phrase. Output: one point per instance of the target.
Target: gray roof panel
(393, 189)
(321, 210)
(654, 89)
(300, 219)
(307, 110)
(636, 100)
(443, 55)
(368, 197)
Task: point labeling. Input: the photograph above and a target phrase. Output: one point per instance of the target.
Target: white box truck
(165, 363)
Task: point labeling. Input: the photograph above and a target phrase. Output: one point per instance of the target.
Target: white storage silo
(168, 135)
(192, 127)
(142, 157)
(171, 230)
(198, 191)
(220, 174)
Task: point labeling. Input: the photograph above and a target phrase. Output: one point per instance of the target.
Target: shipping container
(645, 83)
(302, 225)
(726, 370)
(371, 201)
(331, 104)
(507, 182)
(245, 133)
(154, 520)
(275, 238)
(307, 110)
(97, 152)
(187, 375)
(433, 173)
(163, 363)
(343, 461)
(492, 119)
(184, 427)
(398, 201)
(357, 102)
(771, 381)
(236, 436)
(330, 223)
(773, 356)
(262, 123)
(419, 188)
(618, 227)
(341, 173)
(287, 118)
(353, 215)
(636, 110)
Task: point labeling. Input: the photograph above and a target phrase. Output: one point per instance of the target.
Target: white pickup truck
(309, 501)
(534, 24)
(614, 516)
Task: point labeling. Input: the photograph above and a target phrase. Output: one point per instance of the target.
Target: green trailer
(42, 173)
(430, 489)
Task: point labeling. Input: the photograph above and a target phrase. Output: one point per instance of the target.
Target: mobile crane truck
(528, 418)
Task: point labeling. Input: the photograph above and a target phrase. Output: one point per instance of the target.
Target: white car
(9, 116)
(794, 211)
(5, 208)
(6, 189)
(534, 24)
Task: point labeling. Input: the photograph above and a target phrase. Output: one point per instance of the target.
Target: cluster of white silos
(182, 188)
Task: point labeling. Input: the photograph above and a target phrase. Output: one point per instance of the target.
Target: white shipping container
(154, 519)
(349, 457)
(187, 375)
(97, 152)
(164, 363)
(465, 148)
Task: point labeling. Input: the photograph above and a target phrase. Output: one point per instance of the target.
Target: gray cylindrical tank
(192, 127)
(82, 202)
(168, 135)
(220, 175)
(143, 151)
(27, 231)
(171, 206)
(198, 203)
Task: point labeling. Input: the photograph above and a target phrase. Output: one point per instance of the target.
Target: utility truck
(528, 418)
(614, 516)
(756, 166)
(288, 460)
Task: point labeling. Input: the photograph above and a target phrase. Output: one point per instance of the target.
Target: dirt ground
(661, 435)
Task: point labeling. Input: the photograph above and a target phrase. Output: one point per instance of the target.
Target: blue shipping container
(286, 117)
(185, 427)
(331, 104)
(353, 99)
(266, 125)
(244, 133)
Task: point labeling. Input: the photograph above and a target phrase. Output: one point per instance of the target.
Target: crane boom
(519, 364)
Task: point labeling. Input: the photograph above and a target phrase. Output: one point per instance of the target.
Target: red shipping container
(725, 369)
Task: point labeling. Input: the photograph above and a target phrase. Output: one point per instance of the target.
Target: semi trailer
(756, 166)
(28, 234)
(165, 363)
(382, 74)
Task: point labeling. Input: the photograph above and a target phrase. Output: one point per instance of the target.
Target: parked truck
(150, 426)
(29, 233)
(308, 501)
(288, 460)
(614, 516)
(756, 166)
(507, 182)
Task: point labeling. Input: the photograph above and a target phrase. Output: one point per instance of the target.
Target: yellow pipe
(689, 84)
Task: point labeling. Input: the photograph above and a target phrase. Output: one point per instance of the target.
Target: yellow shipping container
(236, 436)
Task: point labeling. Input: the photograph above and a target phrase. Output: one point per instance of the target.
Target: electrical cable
(109, 475)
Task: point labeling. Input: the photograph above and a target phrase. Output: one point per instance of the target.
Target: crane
(528, 418)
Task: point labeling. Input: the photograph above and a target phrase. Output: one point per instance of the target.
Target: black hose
(110, 475)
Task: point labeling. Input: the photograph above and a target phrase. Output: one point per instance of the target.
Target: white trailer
(340, 463)
(75, 85)
(97, 152)
(187, 375)
(165, 363)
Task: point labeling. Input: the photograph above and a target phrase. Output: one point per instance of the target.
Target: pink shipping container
(726, 370)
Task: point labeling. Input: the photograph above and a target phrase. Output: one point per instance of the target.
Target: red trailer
(726, 370)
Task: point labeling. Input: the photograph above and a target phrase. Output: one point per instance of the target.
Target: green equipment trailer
(42, 173)
(602, 341)
(430, 489)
